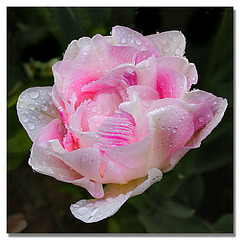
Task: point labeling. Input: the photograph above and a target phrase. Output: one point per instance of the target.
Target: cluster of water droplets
(94, 210)
(36, 109)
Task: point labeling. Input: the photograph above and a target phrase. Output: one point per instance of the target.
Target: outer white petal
(116, 195)
(171, 43)
(35, 109)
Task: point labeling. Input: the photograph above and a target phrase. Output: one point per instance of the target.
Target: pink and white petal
(109, 56)
(42, 161)
(147, 72)
(85, 161)
(119, 78)
(123, 36)
(106, 102)
(170, 43)
(173, 127)
(115, 196)
(171, 83)
(217, 105)
(35, 109)
(133, 161)
(182, 65)
(77, 47)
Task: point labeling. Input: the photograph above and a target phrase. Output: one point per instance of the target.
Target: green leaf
(156, 221)
(175, 209)
(192, 192)
(224, 224)
(167, 187)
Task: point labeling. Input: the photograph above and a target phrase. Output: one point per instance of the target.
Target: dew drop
(44, 107)
(50, 102)
(95, 211)
(82, 210)
(201, 119)
(94, 109)
(215, 102)
(169, 128)
(138, 42)
(174, 130)
(24, 118)
(123, 40)
(50, 93)
(31, 107)
(34, 94)
(31, 126)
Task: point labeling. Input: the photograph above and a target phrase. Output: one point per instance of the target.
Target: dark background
(195, 197)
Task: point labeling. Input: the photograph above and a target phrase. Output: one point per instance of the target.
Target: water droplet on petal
(95, 211)
(138, 42)
(94, 109)
(31, 107)
(174, 130)
(201, 119)
(33, 94)
(123, 40)
(44, 107)
(24, 118)
(82, 210)
(31, 126)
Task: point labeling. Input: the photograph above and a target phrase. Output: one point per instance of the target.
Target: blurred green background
(197, 196)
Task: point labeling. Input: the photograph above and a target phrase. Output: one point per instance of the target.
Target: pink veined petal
(94, 210)
(170, 43)
(141, 97)
(182, 65)
(131, 161)
(123, 36)
(117, 130)
(35, 109)
(171, 83)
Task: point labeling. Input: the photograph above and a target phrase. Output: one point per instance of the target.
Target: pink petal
(173, 127)
(131, 161)
(182, 65)
(123, 36)
(119, 79)
(115, 196)
(147, 72)
(45, 163)
(170, 43)
(170, 83)
(207, 101)
(85, 161)
(35, 109)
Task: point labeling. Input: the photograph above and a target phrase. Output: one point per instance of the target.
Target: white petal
(35, 109)
(171, 43)
(116, 195)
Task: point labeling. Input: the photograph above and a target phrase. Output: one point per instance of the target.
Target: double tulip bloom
(120, 113)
